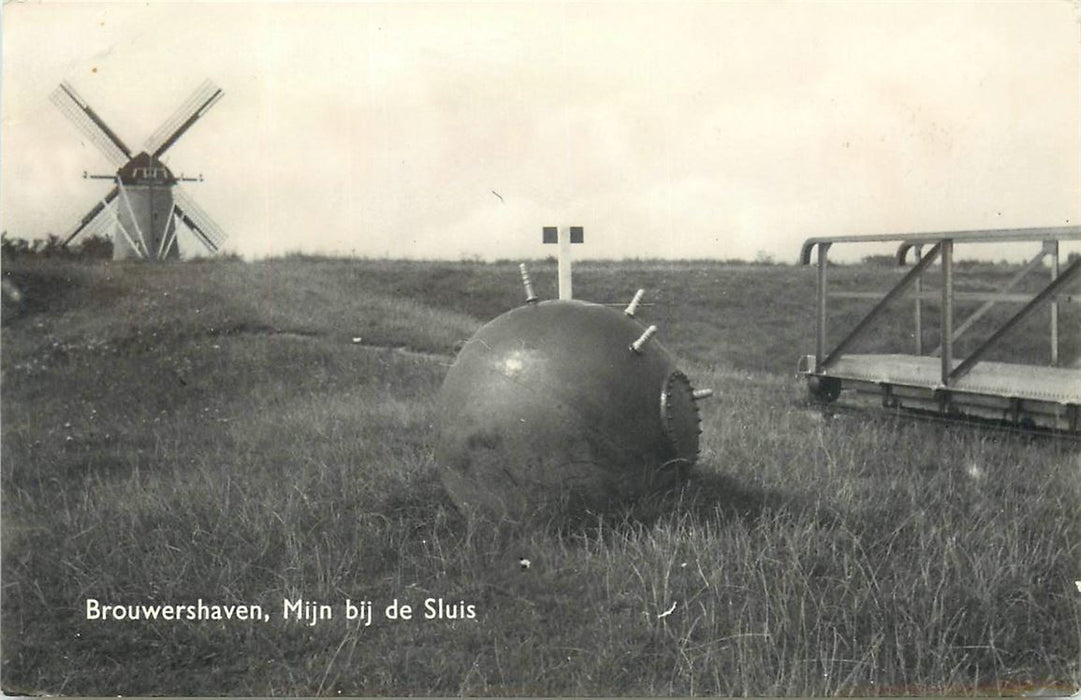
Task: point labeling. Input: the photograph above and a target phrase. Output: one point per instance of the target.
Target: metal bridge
(1042, 396)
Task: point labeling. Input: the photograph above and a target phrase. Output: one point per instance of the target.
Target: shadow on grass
(714, 497)
(706, 497)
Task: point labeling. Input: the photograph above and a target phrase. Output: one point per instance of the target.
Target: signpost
(564, 236)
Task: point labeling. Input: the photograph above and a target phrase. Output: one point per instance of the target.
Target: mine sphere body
(549, 405)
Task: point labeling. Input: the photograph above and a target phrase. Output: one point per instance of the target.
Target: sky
(458, 130)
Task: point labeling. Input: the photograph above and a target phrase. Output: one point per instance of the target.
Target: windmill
(146, 200)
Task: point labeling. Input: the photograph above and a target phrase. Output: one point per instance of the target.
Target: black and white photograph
(540, 349)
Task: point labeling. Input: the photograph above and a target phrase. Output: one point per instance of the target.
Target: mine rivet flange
(637, 345)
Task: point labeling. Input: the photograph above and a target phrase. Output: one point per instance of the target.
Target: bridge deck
(1000, 379)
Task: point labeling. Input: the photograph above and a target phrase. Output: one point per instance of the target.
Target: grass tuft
(218, 432)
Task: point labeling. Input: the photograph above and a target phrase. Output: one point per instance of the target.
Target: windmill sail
(205, 229)
(188, 113)
(93, 221)
(104, 226)
(93, 127)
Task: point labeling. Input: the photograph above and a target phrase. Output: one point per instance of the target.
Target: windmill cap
(144, 169)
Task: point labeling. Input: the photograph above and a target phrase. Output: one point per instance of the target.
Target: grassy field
(216, 431)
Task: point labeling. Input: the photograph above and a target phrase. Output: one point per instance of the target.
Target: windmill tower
(143, 208)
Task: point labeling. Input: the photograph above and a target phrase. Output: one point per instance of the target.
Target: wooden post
(565, 291)
(947, 310)
(820, 321)
(564, 237)
(919, 306)
(1054, 303)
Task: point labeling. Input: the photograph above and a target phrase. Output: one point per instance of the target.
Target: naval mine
(564, 405)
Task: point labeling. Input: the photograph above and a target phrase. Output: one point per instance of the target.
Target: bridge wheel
(823, 389)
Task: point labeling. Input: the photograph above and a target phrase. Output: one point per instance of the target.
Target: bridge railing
(941, 247)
